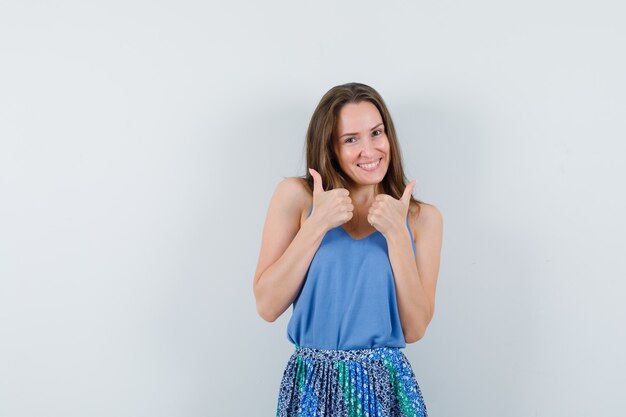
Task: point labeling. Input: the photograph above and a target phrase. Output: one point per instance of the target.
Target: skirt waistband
(361, 355)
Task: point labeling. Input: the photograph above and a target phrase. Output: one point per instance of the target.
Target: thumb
(406, 197)
(317, 181)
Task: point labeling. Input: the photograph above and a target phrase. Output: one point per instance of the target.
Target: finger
(317, 181)
(406, 197)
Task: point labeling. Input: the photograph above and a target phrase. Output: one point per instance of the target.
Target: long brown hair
(319, 136)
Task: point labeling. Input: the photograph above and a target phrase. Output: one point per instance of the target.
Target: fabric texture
(348, 299)
(376, 382)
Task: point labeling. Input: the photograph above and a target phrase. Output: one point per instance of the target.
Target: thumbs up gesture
(330, 208)
(387, 214)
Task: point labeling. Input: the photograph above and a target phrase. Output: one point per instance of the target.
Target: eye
(346, 141)
(380, 132)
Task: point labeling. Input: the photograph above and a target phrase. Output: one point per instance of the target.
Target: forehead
(356, 117)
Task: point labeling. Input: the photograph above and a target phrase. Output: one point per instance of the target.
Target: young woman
(358, 257)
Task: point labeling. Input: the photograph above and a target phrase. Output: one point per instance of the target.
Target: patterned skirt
(377, 382)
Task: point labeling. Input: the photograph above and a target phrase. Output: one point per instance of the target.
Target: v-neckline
(358, 240)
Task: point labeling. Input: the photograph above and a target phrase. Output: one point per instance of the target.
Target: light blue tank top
(348, 299)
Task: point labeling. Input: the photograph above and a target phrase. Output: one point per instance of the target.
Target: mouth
(370, 166)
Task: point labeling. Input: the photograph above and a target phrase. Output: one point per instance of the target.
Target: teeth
(369, 166)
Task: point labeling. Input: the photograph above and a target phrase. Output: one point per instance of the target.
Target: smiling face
(361, 144)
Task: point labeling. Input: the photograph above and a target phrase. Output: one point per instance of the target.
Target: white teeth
(370, 166)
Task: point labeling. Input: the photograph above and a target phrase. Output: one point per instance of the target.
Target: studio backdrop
(141, 141)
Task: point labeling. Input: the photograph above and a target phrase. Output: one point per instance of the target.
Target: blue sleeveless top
(348, 299)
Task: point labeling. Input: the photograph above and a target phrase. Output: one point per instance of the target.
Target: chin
(369, 181)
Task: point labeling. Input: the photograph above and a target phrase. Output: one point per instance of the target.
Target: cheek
(347, 157)
(386, 143)
(386, 148)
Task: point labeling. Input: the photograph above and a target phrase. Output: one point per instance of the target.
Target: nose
(367, 146)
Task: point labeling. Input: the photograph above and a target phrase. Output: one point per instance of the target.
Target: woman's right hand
(330, 208)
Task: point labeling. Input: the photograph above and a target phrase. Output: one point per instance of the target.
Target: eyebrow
(345, 134)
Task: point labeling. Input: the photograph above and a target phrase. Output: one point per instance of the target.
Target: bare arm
(416, 276)
(286, 250)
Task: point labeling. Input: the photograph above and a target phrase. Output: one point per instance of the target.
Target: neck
(364, 194)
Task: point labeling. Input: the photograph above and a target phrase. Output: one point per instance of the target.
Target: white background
(140, 143)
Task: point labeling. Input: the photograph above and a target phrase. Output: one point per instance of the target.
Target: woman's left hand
(387, 214)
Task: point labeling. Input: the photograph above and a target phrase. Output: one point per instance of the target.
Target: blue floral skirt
(377, 382)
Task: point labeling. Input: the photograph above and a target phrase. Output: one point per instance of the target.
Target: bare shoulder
(294, 195)
(282, 221)
(294, 186)
(426, 217)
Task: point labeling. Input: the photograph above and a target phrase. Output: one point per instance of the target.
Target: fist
(330, 208)
(387, 214)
